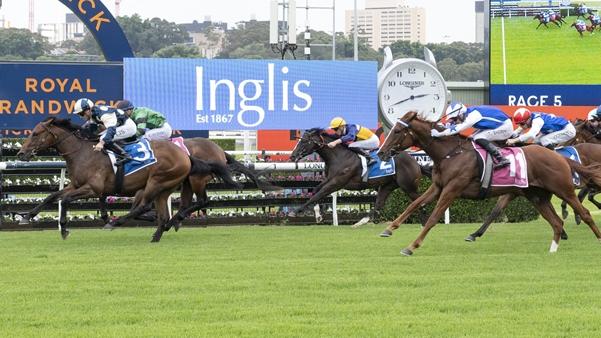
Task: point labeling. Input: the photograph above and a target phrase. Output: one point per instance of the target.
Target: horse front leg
(427, 197)
(502, 203)
(77, 194)
(328, 188)
(48, 200)
(447, 196)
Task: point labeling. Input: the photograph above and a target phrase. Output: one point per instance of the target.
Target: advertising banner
(31, 92)
(200, 94)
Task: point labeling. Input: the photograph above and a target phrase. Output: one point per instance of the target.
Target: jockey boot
(365, 153)
(122, 155)
(494, 151)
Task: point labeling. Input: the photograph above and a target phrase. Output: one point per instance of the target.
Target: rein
(59, 141)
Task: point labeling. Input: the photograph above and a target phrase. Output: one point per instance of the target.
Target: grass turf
(546, 55)
(300, 281)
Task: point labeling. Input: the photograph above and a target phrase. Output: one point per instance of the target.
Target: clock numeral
(390, 110)
(436, 97)
(386, 97)
(424, 74)
(433, 83)
(391, 83)
(433, 110)
(411, 70)
(399, 74)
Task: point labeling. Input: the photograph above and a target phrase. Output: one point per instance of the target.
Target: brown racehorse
(456, 175)
(92, 175)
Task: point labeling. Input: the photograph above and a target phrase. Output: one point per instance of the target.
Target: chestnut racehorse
(456, 175)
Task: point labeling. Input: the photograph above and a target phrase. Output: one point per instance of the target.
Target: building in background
(4, 23)
(71, 29)
(479, 8)
(207, 35)
(383, 22)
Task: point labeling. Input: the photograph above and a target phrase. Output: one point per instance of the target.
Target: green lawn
(313, 281)
(544, 56)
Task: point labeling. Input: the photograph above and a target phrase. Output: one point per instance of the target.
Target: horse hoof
(578, 220)
(470, 238)
(176, 227)
(155, 239)
(65, 234)
(564, 214)
(386, 233)
(109, 227)
(406, 252)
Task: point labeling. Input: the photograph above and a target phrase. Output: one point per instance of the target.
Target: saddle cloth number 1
(518, 158)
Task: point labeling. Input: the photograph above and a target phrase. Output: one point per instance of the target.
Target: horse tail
(201, 167)
(253, 175)
(591, 174)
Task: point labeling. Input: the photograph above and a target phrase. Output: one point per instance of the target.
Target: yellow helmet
(337, 122)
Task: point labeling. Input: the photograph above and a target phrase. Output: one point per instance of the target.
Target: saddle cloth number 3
(142, 151)
(385, 165)
(518, 158)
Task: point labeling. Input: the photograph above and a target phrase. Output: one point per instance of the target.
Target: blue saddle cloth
(380, 168)
(142, 155)
(572, 154)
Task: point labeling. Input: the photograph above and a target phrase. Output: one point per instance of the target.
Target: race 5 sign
(251, 94)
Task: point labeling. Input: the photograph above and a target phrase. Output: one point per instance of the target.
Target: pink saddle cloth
(513, 175)
(179, 141)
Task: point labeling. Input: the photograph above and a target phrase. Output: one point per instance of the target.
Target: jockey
(580, 25)
(118, 125)
(491, 124)
(595, 19)
(593, 122)
(545, 15)
(150, 124)
(358, 139)
(547, 130)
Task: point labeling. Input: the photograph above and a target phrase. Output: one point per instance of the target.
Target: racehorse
(456, 174)
(343, 171)
(92, 174)
(200, 148)
(582, 28)
(582, 11)
(542, 21)
(594, 23)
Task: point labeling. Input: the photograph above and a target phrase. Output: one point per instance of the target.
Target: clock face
(412, 85)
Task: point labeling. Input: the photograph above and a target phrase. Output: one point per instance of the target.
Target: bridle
(58, 140)
(320, 144)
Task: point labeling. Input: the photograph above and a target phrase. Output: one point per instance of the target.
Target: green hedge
(462, 210)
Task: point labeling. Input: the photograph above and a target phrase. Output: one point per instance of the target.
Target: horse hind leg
(162, 216)
(502, 203)
(542, 202)
(583, 212)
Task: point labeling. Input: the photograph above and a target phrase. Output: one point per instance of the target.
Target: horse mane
(63, 123)
(320, 131)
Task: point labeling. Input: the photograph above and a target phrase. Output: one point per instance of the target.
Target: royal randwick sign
(251, 94)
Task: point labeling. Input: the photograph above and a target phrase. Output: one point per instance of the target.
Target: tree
(178, 51)
(145, 36)
(22, 44)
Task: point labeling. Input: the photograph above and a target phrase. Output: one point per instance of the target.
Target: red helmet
(521, 115)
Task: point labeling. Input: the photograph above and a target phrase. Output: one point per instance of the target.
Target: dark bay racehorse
(456, 175)
(343, 171)
(92, 174)
(582, 11)
(541, 21)
(581, 28)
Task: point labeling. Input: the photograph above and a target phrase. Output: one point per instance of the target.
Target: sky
(446, 21)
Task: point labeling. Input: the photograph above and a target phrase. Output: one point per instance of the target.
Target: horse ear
(409, 116)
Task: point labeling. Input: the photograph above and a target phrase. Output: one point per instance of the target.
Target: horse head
(311, 141)
(403, 135)
(46, 134)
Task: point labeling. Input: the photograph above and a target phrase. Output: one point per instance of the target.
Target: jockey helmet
(82, 105)
(124, 105)
(337, 122)
(455, 110)
(521, 115)
(592, 115)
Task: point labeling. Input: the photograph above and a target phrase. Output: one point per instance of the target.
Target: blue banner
(545, 95)
(103, 26)
(31, 92)
(252, 94)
